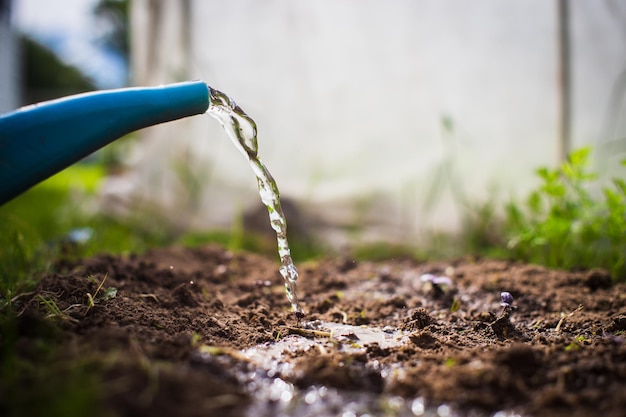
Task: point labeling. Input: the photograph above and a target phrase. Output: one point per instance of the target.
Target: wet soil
(176, 332)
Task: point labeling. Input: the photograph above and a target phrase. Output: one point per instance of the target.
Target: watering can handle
(40, 140)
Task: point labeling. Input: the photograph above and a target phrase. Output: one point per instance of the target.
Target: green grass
(35, 377)
(35, 228)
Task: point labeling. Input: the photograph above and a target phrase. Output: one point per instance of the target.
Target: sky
(68, 28)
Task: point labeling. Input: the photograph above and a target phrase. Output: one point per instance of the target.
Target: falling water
(242, 131)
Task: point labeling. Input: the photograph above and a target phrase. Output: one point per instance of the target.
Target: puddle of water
(273, 396)
(354, 339)
(325, 402)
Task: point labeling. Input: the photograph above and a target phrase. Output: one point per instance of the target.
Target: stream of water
(241, 129)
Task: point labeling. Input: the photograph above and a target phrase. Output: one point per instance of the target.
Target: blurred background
(381, 121)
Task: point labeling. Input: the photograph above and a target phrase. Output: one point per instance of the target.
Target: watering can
(40, 140)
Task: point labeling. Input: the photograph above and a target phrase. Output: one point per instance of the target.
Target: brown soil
(170, 341)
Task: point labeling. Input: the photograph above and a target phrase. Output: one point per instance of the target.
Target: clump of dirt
(171, 326)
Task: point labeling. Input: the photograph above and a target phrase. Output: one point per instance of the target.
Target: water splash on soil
(269, 370)
(243, 132)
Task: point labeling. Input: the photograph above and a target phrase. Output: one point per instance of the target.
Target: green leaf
(620, 184)
(109, 293)
(580, 157)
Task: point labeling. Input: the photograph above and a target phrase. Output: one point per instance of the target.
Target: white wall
(349, 96)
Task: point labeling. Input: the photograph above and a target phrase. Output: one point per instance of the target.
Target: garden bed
(199, 332)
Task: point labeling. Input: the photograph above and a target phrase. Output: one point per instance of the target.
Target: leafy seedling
(577, 343)
(107, 294)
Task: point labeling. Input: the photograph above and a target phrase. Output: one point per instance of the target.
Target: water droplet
(310, 397)
(443, 410)
(417, 406)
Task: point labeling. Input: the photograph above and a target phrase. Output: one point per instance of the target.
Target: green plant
(456, 305)
(107, 294)
(565, 226)
(53, 311)
(24, 256)
(37, 227)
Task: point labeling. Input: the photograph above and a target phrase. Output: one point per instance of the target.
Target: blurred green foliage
(569, 221)
(562, 225)
(37, 227)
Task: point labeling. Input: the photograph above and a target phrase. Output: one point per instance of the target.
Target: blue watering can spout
(40, 140)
